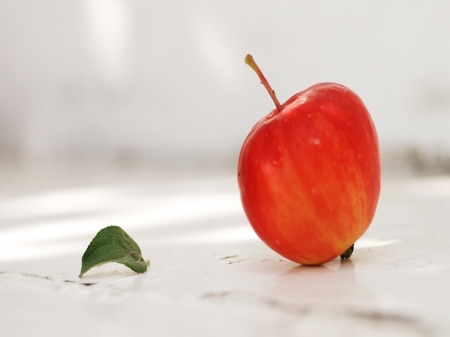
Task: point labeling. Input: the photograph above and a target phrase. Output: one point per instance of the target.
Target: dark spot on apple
(348, 252)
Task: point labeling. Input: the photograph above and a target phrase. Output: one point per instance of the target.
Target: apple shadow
(328, 286)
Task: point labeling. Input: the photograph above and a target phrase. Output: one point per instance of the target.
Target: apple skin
(309, 174)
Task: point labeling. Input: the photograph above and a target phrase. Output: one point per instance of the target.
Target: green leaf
(112, 244)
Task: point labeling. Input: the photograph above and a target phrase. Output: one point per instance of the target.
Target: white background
(165, 80)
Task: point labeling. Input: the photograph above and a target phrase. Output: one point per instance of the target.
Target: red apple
(309, 173)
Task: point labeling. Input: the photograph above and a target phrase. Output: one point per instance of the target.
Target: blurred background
(162, 84)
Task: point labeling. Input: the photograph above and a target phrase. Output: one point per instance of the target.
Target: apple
(309, 173)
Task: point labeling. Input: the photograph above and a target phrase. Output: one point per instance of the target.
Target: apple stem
(251, 62)
(348, 252)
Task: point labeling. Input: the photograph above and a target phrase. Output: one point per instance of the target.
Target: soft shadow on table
(333, 293)
(330, 285)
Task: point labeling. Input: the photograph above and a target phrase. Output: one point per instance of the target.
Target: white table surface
(209, 274)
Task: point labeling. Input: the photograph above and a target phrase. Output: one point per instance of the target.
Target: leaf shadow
(110, 270)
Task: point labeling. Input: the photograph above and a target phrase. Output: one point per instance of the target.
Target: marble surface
(209, 274)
